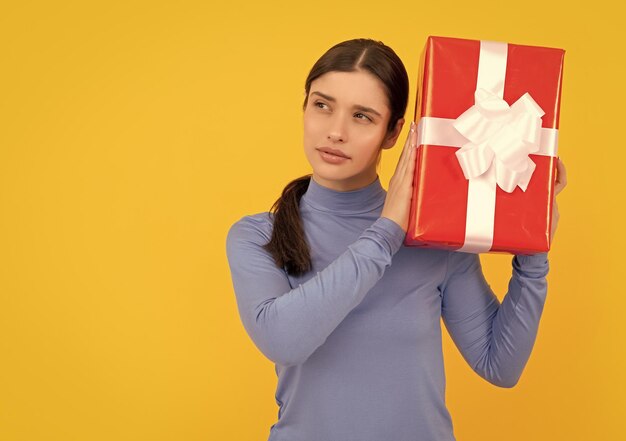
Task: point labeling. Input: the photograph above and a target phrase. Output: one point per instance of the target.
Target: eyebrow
(356, 106)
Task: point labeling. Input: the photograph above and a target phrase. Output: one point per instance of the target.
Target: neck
(360, 200)
(365, 178)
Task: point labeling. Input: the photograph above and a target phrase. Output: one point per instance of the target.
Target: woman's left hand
(561, 182)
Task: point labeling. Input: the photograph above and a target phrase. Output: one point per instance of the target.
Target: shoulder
(245, 244)
(255, 228)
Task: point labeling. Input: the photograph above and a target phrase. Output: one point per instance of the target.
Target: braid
(288, 243)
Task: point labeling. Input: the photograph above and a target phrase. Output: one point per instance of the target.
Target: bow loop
(500, 136)
(475, 158)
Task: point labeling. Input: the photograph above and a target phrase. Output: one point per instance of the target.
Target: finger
(412, 160)
(555, 208)
(555, 219)
(404, 150)
(411, 142)
(555, 215)
(414, 135)
(561, 176)
(407, 144)
(408, 167)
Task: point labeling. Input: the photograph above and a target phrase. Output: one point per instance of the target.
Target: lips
(333, 152)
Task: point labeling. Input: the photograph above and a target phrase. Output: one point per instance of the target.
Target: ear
(392, 137)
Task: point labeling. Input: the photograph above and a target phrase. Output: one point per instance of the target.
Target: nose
(337, 130)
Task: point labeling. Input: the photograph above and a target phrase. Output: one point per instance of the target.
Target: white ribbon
(440, 131)
(495, 141)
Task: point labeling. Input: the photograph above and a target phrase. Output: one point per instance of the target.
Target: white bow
(500, 136)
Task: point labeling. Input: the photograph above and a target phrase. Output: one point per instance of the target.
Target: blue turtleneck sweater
(357, 340)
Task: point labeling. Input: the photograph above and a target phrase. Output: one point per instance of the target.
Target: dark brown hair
(288, 243)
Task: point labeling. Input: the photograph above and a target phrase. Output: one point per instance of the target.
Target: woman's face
(348, 113)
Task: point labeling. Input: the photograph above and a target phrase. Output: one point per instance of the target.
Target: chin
(331, 175)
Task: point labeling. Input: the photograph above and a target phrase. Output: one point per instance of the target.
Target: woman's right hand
(398, 200)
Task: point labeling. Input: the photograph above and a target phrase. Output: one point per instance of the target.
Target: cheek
(311, 119)
(372, 138)
(309, 132)
(312, 126)
(307, 126)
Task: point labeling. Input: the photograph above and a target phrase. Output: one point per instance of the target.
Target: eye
(364, 116)
(320, 104)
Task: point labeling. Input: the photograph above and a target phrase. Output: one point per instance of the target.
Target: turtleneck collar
(362, 200)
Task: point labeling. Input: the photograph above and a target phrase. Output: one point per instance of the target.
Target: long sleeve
(288, 325)
(495, 339)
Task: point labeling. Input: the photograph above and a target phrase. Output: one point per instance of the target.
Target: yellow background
(133, 134)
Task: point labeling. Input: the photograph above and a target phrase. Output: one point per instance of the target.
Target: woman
(325, 289)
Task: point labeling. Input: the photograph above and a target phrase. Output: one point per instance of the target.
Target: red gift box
(487, 115)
